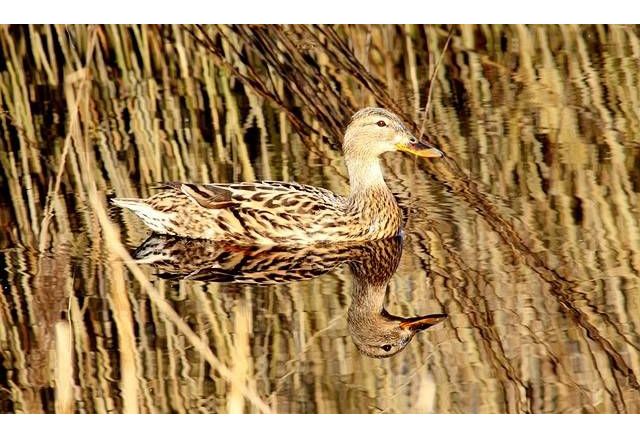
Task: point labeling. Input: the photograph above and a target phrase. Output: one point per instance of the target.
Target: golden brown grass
(530, 225)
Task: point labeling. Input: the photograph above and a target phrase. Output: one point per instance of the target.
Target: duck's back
(265, 212)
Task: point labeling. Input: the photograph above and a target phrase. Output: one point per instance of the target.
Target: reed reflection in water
(526, 234)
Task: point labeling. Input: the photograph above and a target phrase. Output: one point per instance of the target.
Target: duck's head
(374, 131)
(387, 335)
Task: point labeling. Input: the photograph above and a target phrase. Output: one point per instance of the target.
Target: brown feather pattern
(269, 212)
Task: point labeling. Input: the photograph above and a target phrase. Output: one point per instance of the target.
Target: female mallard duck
(270, 212)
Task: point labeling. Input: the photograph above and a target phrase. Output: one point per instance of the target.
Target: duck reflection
(375, 332)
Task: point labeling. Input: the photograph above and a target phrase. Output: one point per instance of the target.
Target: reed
(64, 369)
(529, 227)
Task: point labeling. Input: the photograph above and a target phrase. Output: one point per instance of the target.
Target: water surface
(526, 235)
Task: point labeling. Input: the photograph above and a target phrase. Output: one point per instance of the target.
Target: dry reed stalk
(64, 368)
(434, 73)
(240, 359)
(124, 324)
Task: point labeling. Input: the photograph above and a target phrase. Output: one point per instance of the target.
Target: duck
(375, 332)
(277, 212)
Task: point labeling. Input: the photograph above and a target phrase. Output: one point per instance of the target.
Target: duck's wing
(264, 212)
(259, 195)
(206, 195)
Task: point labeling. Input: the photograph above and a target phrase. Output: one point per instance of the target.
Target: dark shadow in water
(376, 332)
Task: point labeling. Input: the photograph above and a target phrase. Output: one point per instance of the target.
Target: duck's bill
(420, 149)
(423, 322)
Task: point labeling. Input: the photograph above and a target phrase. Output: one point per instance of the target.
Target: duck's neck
(367, 302)
(371, 205)
(365, 175)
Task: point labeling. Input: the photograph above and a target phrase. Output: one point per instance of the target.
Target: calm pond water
(526, 235)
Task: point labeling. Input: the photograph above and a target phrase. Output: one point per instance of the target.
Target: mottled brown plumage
(272, 212)
(376, 332)
(204, 260)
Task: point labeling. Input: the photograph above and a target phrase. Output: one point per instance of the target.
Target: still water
(515, 289)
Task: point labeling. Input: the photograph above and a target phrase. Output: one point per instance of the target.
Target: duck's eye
(386, 347)
(381, 123)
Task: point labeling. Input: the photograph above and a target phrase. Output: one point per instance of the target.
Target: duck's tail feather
(130, 203)
(154, 219)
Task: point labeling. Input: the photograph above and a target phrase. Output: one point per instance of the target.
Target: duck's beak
(419, 148)
(422, 322)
